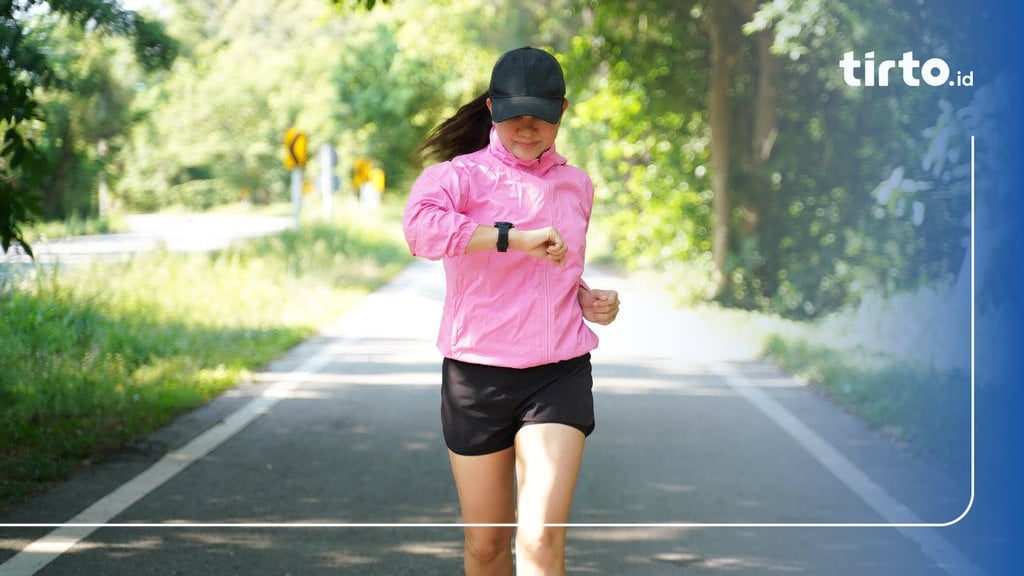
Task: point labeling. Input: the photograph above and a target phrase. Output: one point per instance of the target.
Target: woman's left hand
(599, 306)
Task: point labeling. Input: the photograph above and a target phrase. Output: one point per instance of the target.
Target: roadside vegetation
(73, 225)
(96, 356)
(908, 377)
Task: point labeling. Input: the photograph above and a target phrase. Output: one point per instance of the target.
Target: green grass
(73, 226)
(91, 358)
(926, 409)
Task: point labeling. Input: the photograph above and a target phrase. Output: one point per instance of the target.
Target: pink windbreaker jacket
(504, 309)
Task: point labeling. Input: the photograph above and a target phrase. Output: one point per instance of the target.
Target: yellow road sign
(361, 171)
(296, 143)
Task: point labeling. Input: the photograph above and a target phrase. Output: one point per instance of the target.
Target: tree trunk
(720, 127)
(766, 101)
(761, 206)
(756, 139)
(723, 59)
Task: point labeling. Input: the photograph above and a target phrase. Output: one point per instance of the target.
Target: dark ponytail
(467, 131)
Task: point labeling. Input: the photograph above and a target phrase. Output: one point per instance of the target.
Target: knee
(487, 547)
(541, 546)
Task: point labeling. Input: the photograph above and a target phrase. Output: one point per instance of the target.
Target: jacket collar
(547, 160)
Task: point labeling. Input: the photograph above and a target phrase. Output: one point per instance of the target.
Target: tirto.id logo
(933, 72)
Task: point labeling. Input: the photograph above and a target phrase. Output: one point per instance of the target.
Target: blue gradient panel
(993, 528)
(991, 532)
(978, 82)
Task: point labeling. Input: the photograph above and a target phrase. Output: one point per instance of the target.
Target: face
(526, 137)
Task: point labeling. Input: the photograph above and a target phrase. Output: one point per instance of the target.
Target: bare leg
(487, 496)
(548, 459)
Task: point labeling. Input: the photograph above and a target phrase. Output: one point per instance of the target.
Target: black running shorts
(482, 407)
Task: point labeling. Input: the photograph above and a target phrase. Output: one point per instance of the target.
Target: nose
(526, 122)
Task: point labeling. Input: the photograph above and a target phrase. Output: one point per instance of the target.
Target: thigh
(486, 488)
(548, 459)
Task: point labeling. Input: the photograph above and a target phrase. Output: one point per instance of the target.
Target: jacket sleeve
(433, 226)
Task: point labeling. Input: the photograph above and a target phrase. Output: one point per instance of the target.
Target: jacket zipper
(549, 312)
(548, 318)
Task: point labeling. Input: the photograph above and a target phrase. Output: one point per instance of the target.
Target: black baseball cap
(527, 81)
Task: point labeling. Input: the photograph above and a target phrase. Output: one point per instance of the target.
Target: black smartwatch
(503, 228)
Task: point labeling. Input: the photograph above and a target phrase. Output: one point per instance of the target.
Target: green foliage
(367, 4)
(384, 92)
(831, 236)
(638, 125)
(18, 204)
(31, 50)
(215, 125)
(863, 189)
(811, 230)
(368, 83)
(85, 118)
(93, 358)
(22, 68)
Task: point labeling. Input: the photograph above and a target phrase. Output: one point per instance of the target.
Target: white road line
(896, 514)
(48, 548)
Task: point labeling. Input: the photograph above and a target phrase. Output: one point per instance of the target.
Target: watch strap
(503, 228)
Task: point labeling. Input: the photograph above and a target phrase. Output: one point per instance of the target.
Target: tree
(823, 239)
(215, 125)
(638, 82)
(788, 221)
(25, 68)
(368, 82)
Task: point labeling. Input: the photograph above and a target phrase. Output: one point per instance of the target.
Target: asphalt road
(704, 462)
